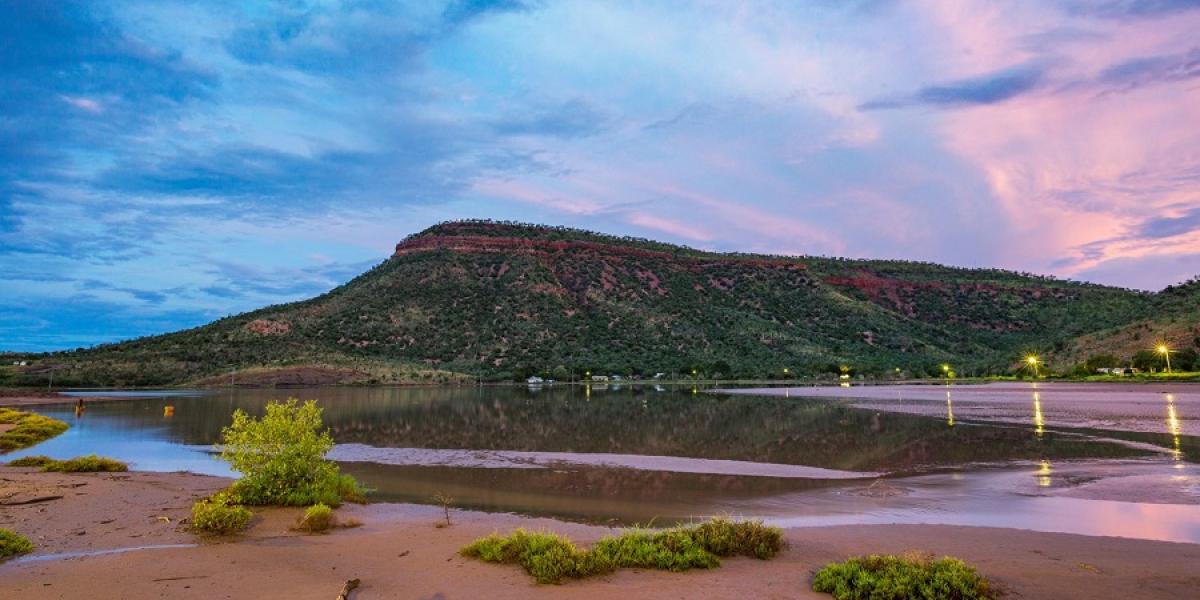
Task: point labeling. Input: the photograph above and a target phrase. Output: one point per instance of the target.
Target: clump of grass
(317, 518)
(13, 544)
(86, 464)
(220, 514)
(912, 575)
(31, 461)
(551, 558)
(80, 464)
(30, 428)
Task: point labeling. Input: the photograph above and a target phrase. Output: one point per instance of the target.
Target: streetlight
(1165, 350)
(1033, 361)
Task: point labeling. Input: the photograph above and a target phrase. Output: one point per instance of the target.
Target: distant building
(20, 363)
(534, 379)
(602, 378)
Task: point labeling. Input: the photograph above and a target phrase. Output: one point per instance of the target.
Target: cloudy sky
(167, 162)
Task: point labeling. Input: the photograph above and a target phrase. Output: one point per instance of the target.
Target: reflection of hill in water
(626, 495)
(672, 423)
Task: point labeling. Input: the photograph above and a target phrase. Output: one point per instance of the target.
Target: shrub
(550, 558)
(30, 429)
(31, 461)
(220, 514)
(13, 544)
(86, 464)
(912, 575)
(282, 458)
(317, 518)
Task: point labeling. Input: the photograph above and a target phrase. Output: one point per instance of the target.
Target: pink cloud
(1077, 166)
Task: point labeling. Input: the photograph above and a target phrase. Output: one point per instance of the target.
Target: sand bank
(77, 521)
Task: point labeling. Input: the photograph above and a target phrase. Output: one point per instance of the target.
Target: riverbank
(16, 398)
(399, 553)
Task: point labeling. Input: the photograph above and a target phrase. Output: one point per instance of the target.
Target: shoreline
(398, 552)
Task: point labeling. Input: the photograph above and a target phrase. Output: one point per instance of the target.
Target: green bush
(550, 558)
(30, 429)
(86, 464)
(31, 461)
(912, 575)
(317, 518)
(13, 544)
(282, 458)
(220, 514)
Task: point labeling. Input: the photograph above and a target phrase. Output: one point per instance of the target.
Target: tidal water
(636, 454)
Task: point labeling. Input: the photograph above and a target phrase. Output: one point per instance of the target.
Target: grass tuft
(86, 464)
(551, 558)
(80, 464)
(317, 518)
(912, 575)
(13, 544)
(220, 514)
(30, 428)
(31, 461)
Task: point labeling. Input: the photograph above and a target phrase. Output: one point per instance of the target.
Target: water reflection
(949, 410)
(1174, 429)
(1043, 474)
(634, 420)
(1039, 421)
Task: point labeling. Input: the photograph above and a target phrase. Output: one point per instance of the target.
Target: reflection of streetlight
(1043, 474)
(1033, 361)
(1039, 422)
(1174, 429)
(949, 409)
(1165, 350)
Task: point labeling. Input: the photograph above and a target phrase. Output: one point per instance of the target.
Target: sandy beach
(123, 536)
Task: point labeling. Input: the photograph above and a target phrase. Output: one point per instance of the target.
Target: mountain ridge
(494, 300)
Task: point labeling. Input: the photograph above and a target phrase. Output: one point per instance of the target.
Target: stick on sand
(346, 589)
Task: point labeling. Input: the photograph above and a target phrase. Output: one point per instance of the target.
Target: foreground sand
(399, 553)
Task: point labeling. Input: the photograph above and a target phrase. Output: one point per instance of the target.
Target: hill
(1172, 317)
(503, 301)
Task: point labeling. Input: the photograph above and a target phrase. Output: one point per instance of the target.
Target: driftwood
(19, 501)
(346, 589)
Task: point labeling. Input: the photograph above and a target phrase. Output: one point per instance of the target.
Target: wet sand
(399, 553)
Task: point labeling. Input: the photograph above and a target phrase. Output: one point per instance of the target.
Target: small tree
(282, 457)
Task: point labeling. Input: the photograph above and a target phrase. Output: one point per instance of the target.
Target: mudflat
(125, 536)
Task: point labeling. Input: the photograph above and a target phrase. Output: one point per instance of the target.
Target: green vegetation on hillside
(502, 301)
(550, 558)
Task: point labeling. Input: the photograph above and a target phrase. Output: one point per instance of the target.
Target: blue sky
(164, 163)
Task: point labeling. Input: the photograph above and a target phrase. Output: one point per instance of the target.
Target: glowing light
(1165, 350)
(1033, 361)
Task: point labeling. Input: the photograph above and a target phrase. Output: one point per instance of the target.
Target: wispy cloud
(985, 89)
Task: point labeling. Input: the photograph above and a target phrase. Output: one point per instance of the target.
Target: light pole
(1165, 350)
(1033, 361)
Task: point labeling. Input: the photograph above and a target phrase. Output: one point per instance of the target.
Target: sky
(165, 163)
